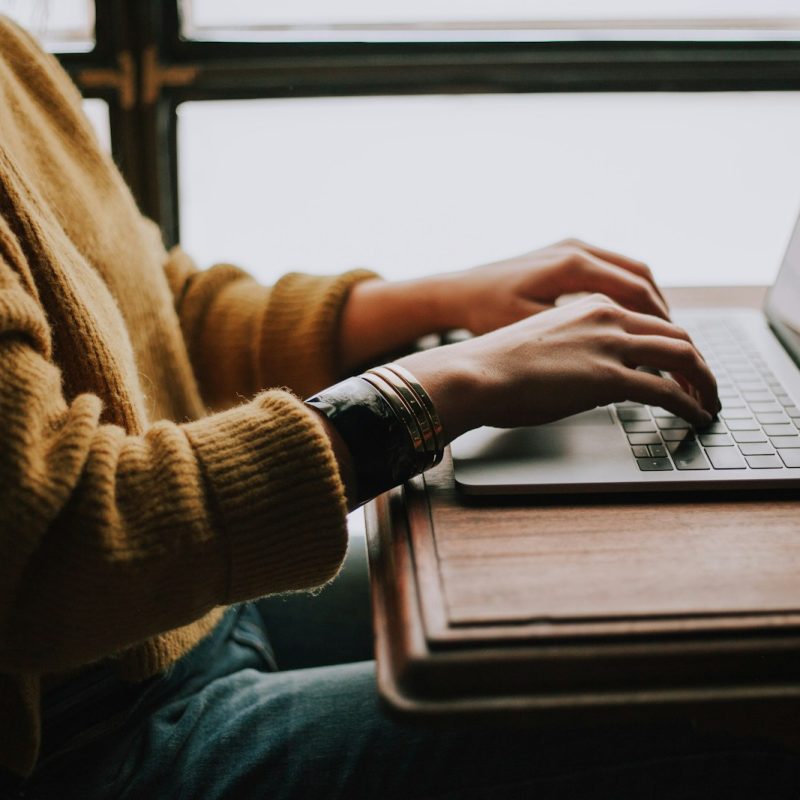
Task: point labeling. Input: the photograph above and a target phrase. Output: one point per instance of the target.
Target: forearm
(384, 316)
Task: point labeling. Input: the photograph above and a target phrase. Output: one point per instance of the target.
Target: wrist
(383, 428)
(384, 316)
(454, 385)
(343, 457)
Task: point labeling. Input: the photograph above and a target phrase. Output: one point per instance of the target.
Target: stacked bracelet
(389, 423)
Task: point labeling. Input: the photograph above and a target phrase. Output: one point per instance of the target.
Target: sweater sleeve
(243, 337)
(108, 538)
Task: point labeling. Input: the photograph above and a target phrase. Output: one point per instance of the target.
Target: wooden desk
(477, 607)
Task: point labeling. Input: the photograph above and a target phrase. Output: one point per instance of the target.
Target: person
(145, 500)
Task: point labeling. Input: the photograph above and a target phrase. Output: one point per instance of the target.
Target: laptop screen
(783, 302)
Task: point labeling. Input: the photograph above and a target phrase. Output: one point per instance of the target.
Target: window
(703, 186)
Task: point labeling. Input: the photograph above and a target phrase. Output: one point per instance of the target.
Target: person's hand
(382, 316)
(566, 360)
(488, 297)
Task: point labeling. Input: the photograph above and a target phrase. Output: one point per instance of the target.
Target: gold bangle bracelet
(427, 458)
(414, 404)
(404, 414)
(425, 399)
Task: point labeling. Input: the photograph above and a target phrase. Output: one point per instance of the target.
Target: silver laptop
(628, 447)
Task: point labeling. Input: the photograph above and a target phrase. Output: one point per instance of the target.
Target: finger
(634, 322)
(590, 274)
(678, 357)
(642, 387)
(631, 264)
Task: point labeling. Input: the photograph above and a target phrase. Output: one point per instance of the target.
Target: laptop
(630, 447)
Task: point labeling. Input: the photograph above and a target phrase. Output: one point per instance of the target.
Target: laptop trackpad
(589, 443)
(584, 434)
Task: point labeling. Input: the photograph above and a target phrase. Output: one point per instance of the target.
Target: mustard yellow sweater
(129, 516)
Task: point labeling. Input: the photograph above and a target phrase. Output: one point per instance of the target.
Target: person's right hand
(563, 361)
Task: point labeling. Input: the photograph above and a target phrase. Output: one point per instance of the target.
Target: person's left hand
(491, 296)
(381, 316)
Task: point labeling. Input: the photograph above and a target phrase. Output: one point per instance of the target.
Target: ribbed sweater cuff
(274, 486)
(300, 330)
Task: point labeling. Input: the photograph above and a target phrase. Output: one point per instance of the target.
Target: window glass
(97, 111)
(704, 187)
(477, 20)
(64, 26)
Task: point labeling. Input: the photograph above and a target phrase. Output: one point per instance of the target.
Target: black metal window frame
(144, 69)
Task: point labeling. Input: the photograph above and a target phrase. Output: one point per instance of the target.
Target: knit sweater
(129, 516)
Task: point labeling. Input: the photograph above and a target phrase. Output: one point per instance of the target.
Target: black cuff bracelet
(380, 445)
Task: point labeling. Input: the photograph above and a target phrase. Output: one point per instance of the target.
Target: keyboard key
(749, 436)
(784, 399)
(779, 430)
(763, 462)
(654, 464)
(752, 384)
(765, 408)
(748, 381)
(747, 376)
(783, 442)
(733, 402)
(756, 449)
(628, 414)
(715, 440)
(687, 455)
(660, 412)
(639, 427)
(793, 411)
(641, 451)
(671, 423)
(658, 451)
(773, 418)
(748, 424)
(725, 458)
(715, 427)
(758, 397)
(678, 435)
(735, 413)
(791, 458)
(644, 438)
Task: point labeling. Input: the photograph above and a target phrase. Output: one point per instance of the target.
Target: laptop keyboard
(757, 428)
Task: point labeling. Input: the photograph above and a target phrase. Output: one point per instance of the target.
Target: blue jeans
(224, 723)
